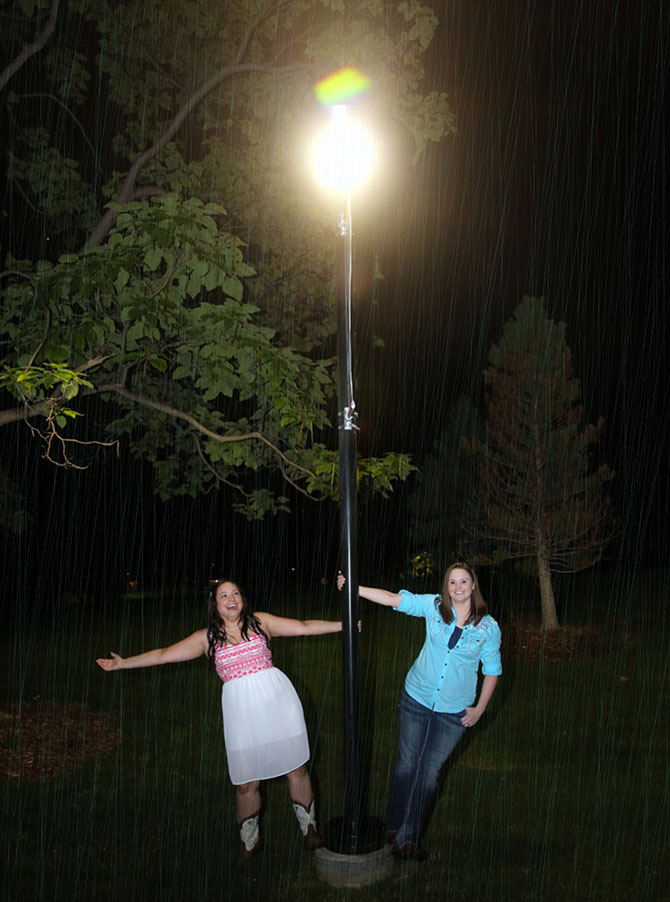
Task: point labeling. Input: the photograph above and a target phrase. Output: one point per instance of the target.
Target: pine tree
(541, 501)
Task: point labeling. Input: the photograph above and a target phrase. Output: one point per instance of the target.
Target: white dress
(263, 723)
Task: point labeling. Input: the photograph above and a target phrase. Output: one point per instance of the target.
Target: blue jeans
(425, 741)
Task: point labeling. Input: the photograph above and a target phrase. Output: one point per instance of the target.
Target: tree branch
(26, 412)
(237, 67)
(217, 475)
(17, 185)
(234, 485)
(148, 191)
(52, 434)
(30, 49)
(46, 409)
(67, 110)
(17, 272)
(299, 488)
(176, 414)
(164, 283)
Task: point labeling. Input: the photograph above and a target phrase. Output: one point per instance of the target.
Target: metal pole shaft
(348, 442)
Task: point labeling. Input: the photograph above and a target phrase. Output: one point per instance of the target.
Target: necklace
(232, 640)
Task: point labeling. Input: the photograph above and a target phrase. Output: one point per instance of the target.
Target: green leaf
(194, 284)
(153, 258)
(213, 209)
(121, 280)
(212, 392)
(211, 277)
(136, 332)
(233, 287)
(158, 363)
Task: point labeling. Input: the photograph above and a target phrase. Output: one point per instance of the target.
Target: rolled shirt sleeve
(491, 661)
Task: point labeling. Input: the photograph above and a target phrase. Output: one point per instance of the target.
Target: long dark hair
(216, 631)
(477, 604)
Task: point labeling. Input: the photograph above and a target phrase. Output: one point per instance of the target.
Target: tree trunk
(547, 600)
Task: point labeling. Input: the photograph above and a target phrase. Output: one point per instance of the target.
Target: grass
(562, 792)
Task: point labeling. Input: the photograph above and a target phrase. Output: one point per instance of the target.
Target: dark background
(556, 185)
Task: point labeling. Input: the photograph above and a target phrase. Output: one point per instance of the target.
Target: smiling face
(460, 585)
(229, 603)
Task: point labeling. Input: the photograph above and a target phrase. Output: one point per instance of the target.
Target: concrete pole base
(353, 870)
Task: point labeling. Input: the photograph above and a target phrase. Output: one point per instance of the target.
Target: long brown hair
(216, 631)
(477, 604)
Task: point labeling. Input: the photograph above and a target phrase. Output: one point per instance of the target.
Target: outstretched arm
(285, 626)
(379, 596)
(185, 650)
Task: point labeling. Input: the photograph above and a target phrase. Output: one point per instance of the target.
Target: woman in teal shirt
(437, 702)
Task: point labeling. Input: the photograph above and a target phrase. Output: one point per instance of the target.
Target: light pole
(343, 158)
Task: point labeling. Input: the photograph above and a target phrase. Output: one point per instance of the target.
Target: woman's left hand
(471, 717)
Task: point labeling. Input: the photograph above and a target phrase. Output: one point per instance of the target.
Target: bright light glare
(343, 155)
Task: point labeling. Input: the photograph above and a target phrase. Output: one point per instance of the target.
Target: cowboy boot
(312, 839)
(251, 839)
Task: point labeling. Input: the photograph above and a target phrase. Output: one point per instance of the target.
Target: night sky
(555, 185)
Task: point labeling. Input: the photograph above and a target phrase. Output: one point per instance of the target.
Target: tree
(542, 501)
(163, 251)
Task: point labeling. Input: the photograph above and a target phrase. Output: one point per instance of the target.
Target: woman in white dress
(264, 726)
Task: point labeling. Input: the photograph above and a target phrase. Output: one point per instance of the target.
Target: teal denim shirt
(445, 679)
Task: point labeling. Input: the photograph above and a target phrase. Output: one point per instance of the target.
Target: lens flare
(342, 86)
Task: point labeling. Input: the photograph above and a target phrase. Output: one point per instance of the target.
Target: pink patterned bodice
(235, 661)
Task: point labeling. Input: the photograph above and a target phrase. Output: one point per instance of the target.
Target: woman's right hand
(113, 663)
(340, 581)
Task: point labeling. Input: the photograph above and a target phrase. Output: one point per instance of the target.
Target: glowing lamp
(342, 155)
